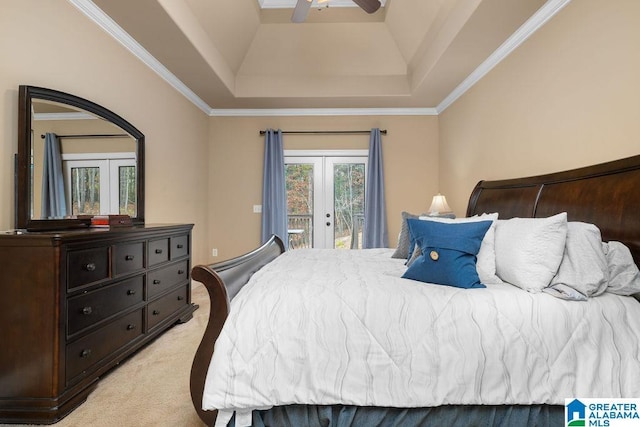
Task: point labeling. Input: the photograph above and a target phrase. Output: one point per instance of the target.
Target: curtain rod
(327, 132)
(106, 135)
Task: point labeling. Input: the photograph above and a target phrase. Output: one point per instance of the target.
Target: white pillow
(402, 250)
(624, 278)
(584, 264)
(486, 259)
(529, 250)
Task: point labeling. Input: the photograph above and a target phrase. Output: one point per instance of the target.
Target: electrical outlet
(214, 252)
(257, 208)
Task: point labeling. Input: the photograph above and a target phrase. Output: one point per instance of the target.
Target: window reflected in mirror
(85, 190)
(127, 193)
(97, 162)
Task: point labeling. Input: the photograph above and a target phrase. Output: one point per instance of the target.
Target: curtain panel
(274, 194)
(54, 202)
(375, 233)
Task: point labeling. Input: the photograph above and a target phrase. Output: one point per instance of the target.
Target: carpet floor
(151, 388)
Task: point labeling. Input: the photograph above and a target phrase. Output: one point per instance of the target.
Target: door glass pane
(299, 183)
(127, 190)
(85, 191)
(348, 196)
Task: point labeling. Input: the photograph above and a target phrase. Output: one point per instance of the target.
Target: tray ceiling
(245, 54)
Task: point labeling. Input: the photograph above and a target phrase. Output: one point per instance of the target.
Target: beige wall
(568, 97)
(410, 155)
(51, 44)
(189, 156)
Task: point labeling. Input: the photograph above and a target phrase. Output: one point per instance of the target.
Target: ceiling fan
(303, 6)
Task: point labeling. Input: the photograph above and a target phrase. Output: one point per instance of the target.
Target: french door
(325, 197)
(101, 186)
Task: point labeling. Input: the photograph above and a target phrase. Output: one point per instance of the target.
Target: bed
(307, 382)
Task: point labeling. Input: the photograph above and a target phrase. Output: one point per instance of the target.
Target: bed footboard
(223, 281)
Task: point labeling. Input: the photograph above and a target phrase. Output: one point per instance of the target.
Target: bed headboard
(607, 195)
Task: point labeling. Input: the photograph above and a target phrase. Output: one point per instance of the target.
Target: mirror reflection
(76, 159)
(81, 164)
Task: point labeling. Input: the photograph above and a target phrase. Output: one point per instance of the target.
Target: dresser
(74, 304)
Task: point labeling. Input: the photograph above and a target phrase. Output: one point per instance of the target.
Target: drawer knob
(129, 257)
(87, 310)
(180, 246)
(180, 271)
(130, 327)
(131, 292)
(156, 281)
(90, 266)
(85, 353)
(156, 312)
(158, 251)
(180, 297)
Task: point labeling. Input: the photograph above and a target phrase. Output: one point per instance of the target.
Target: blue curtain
(375, 234)
(274, 194)
(54, 202)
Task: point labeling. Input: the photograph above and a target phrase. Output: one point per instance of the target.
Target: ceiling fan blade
(301, 11)
(369, 6)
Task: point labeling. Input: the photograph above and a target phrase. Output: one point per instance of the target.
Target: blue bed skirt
(458, 415)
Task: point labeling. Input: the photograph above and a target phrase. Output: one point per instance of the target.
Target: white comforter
(327, 327)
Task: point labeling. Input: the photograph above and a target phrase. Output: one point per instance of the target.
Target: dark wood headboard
(607, 195)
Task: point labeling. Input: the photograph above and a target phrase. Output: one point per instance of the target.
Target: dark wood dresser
(74, 304)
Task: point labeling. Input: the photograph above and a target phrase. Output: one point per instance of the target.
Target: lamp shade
(439, 205)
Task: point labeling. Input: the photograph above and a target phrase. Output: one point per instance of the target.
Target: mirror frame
(23, 177)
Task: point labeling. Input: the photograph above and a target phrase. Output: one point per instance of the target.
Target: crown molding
(537, 20)
(533, 24)
(93, 12)
(323, 112)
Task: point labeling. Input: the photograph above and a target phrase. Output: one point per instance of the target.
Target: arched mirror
(76, 159)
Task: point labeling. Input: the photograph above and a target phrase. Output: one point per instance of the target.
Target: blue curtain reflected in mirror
(54, 203)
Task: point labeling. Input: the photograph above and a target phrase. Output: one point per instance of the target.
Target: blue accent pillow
(449, 252)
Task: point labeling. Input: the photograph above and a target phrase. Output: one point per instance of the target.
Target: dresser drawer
(179, 246)
(128, 258)
(87, 266)
(92, 307)
(75, 308)
(164, 307)
(158, 251)
(91, 349)
(166, 277)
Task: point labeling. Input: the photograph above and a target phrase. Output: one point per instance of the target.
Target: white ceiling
(239, 56)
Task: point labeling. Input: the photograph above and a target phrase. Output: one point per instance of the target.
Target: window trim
(326, 153)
